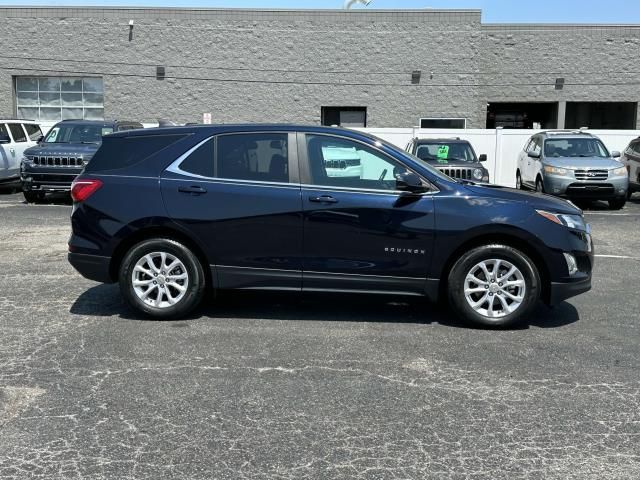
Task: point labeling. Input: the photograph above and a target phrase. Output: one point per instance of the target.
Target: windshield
(446, 152)
(77, 134)
(434, 171)
(575, 147)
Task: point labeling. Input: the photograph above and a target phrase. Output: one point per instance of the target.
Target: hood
(583, 163)
(85, 150)
(539, 201)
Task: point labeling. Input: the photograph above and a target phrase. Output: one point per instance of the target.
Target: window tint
(17, 132)
(338, 162)
(3, 129)
(200, 162)
(33, 131)
(121, 152)
(258, 157)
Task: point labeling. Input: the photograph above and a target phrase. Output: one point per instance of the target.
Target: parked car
(574, 165)
(56, 161)
(15, 137)
(452, 156)
(631, 159)
(167, 212)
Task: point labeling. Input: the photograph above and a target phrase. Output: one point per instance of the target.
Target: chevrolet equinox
(173, 213)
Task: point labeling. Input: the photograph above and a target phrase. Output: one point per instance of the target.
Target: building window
(453, 123)
(51, 99)
(602, 115)
(344, 116)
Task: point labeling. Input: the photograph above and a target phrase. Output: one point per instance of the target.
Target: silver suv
(572, 164)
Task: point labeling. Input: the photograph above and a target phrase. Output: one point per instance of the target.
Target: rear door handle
(193, 190)
(323, 199)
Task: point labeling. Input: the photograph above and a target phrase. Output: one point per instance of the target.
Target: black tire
(519, 185)
(539, 185)
(33, 197)
(618, 203)
(465, 265)
(195, 283)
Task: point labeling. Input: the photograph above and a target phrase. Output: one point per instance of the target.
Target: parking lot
(288, 386)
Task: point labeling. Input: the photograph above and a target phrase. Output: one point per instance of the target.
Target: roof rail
(564, 132)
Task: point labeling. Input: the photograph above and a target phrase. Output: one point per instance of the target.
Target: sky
(521, 11)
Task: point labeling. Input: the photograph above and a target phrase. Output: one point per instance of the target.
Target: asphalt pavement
(287, 386)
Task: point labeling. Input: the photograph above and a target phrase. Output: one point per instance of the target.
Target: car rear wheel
(162, 279)
(33, 197)
(618, 203)
(494, 285)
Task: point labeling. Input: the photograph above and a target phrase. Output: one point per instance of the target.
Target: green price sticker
(443, 152)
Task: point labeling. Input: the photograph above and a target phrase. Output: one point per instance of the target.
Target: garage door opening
(522, 115)
(602, 115)
(351, 117)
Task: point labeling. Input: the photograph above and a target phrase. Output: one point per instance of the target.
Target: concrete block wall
(599, 63)
(254, 66)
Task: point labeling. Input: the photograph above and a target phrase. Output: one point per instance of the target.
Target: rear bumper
(560, 292)
(93, 267)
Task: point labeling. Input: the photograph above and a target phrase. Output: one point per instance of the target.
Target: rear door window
(261, 157)
(17, 133)
(201, 161)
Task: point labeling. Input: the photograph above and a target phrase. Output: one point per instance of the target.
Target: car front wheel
(618, 203)
(33, 197)
(494, 285)
(162, 279)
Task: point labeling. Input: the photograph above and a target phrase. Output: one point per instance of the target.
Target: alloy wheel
(495, 288)
(160, 279)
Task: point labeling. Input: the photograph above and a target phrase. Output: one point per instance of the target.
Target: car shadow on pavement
(106, 301)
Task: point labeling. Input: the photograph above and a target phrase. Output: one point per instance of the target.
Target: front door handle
(323, 199)
(193, 190)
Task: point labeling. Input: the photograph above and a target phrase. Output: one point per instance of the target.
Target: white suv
(15, 137)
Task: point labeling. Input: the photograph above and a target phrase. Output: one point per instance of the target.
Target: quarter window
(3, 130)
(17, 133)
(338, 162)
(256, 157)
(51, 99)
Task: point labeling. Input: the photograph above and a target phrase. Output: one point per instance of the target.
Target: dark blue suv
(169, 212)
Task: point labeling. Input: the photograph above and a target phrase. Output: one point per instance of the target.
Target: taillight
(83, 189)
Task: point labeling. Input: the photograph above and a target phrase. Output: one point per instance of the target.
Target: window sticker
(443, 154)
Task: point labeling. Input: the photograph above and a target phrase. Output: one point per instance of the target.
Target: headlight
(571, 221)
(556, 170)
(621, 172)
(477, 174)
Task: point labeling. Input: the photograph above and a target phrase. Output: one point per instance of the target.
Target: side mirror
(533, 154)
(616, 154)
(4, 139)
(483, 157)
(40, 139)
(409, 182)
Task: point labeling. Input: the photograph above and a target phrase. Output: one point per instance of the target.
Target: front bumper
(48, 179)
(559, 292)
(92, 267)
(613, 187)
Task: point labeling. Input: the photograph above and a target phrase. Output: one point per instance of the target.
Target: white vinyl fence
(500, 146)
